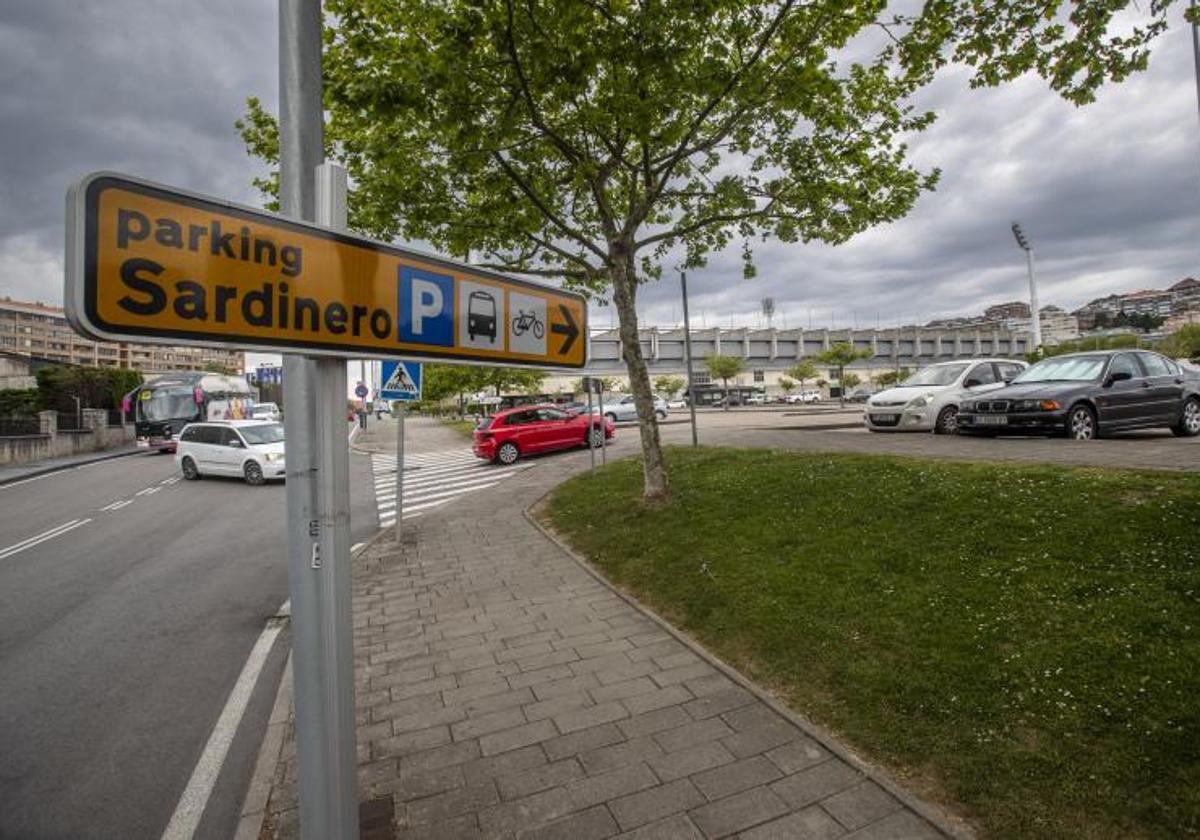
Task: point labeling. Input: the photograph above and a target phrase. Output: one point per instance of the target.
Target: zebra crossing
(432, 479)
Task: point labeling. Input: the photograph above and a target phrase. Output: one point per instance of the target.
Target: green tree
(839, 356)
(669, 385)
(591, 142)
(803, 371)
(786, 385)
(890, 377)
(850, 380)
(725, 368)
(1184, 343)
(443, 381)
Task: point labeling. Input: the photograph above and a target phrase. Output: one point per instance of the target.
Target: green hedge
(18, 402)
(59, 385)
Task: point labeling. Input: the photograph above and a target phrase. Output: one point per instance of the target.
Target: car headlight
(921, 401)
(274, 456)
(968, 405)
(1036, 405)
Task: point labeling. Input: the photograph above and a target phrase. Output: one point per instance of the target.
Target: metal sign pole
(400, 469)
(687, 348)
(327, 782)
(603, 425)
(592, 416)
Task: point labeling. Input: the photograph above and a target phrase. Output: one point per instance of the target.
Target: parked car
(507, 435)
(804, 397)
(266, 411)
(861, 394)
(756, 399)
(249, 449)
(930, 399)
(678, 404)
(1086, 395)
(619, 408)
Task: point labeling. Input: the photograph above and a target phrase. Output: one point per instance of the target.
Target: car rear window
(484, 424)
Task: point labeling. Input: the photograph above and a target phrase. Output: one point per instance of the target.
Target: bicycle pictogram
(527, 321)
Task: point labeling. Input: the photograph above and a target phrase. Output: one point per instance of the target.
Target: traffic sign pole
(327, 789)
(592, 416)
(399, 470)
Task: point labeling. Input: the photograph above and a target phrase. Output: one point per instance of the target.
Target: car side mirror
(1117, 376)
(235, 444)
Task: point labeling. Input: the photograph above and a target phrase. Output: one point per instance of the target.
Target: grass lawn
(1020, 643)
(466, 428)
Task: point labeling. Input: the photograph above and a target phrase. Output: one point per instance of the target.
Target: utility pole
(318, 477)
(1035, 315)
(687, 350)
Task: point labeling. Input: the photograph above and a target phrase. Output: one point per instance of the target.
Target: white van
(249, 449)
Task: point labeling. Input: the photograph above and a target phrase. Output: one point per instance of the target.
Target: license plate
(991, 421)
(885, 418)
(143, 443)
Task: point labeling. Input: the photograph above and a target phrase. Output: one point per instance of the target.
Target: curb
(940, 819)
(61, 467)
(253, 814)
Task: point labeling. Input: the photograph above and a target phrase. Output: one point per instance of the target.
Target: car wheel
(596, 436)
(611, 417)
(188, 466)
(661, 415)
(1189, 419)
(1081, 424)
(507, 453)
(253, 473)
(947, 421)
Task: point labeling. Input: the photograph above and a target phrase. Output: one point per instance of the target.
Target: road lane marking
(41, 538)
(26, 480)
(120, 505)
(147, 491)
(169, 480)
(199, 788)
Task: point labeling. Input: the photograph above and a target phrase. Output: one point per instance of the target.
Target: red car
(507, 435)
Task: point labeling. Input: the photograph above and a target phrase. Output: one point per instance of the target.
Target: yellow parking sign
(156, 264)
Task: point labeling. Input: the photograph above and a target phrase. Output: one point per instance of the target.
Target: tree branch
(541, 205)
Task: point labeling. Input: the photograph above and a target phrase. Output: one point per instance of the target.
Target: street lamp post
(1035, 315)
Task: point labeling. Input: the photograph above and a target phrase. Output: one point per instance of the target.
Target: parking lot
(818, 430)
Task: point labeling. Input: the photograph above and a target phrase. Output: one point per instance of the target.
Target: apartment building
(41, 331)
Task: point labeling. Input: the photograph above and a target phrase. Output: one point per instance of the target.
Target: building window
(759, 376)
(701, 379)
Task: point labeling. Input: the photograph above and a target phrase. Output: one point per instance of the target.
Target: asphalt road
(122, 635)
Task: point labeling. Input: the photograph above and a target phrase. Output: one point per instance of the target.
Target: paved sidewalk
(10, 473)
(504, 692)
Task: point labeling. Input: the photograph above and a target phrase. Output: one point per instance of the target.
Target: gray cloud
(1107, 193)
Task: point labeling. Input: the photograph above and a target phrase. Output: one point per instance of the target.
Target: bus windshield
(168, 403)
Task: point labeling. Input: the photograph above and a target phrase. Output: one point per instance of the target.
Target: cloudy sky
(1109, 194)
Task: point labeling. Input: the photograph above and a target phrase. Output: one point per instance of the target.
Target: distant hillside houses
(1173, 307)
(1180, 298)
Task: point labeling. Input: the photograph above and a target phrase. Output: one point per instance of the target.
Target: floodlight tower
(1035, 315)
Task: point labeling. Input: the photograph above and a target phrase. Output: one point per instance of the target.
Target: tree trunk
(725, 405)
(624, 278)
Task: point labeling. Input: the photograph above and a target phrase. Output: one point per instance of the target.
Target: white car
(756, 399)
(677, 404)
(804, 397)
(266, 411)
(620, 407)
(249, 449)
(929, 399)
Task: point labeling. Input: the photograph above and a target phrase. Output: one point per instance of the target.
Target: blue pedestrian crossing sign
(401, 381)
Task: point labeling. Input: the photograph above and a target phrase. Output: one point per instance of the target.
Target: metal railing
(20, 425)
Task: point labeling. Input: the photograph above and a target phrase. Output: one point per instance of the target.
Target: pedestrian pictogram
(401, 381)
